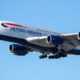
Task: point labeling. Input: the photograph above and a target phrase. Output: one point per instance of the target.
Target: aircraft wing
(70, 41)
(73, 36)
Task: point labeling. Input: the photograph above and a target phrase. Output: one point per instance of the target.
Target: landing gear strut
(43, 56)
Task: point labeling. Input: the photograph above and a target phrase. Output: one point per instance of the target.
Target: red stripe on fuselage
(12, 24)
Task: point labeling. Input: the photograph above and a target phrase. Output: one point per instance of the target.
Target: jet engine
(79, 35)
(55, 40)
(17, 49)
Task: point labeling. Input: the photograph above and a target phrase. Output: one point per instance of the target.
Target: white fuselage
(24, 32)
(17, 31)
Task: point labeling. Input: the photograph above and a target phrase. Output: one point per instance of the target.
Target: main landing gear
(58, 54)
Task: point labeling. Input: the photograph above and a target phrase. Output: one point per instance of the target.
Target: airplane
(26, 38)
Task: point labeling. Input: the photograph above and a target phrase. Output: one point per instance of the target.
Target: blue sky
(61, 15)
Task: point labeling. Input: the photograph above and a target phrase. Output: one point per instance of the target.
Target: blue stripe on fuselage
(4, 25)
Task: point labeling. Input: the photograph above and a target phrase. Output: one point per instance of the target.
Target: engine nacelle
(79, 35)
(55, 40)
(18, 49)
